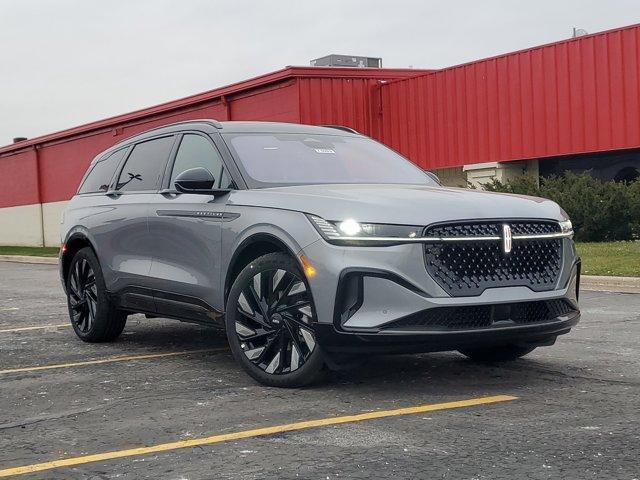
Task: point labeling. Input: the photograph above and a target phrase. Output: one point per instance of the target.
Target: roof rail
(342, 127)
(214, 123)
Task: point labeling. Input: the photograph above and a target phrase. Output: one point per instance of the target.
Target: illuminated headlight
(352, 232)
(350, 227)
(566, 227)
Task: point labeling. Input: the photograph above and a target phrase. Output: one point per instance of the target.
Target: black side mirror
(195, 180)
(433, 177)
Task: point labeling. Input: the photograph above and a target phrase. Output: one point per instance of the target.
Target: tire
(269, 323)
(504, 353)
(93, 316)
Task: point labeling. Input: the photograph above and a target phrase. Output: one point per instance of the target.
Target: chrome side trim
(206, 214)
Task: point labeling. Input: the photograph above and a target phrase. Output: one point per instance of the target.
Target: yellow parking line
(39, 327)
(225, 437)
(111, 360)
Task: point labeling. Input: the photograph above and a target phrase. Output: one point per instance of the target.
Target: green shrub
(634, 195)
(599, 210)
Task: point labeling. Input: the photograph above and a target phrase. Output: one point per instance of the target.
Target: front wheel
(269, 323)
(502, 353)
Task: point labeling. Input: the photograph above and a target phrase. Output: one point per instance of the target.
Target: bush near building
(600, 211)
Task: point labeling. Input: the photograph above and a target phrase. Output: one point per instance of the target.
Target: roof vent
(19, 139)
(347, 61)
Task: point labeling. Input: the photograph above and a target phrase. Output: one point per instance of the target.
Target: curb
(610, 284)
(587, 282)
(29, 259)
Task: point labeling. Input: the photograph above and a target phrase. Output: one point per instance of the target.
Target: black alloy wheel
(94, 317)
(83, 295)
(270, 322)
(274, 322)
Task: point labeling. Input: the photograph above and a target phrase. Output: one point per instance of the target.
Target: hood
(398, 204)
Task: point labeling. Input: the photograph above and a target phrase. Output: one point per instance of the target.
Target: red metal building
(568, 98)
(575, 103)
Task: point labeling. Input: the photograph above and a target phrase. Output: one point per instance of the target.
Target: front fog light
(350, 227)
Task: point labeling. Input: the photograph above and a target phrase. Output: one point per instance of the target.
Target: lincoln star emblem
(507, 239)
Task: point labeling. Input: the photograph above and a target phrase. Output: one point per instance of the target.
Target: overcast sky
(67, 62)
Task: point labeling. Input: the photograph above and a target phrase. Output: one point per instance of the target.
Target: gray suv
(313, 247)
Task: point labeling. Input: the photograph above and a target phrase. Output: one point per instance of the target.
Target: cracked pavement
(577, 414)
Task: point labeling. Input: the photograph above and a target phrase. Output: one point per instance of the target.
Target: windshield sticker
(325, 150)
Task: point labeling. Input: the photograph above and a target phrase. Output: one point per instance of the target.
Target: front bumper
(334, 340)
(360, 293)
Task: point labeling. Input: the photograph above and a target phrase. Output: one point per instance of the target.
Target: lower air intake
(484, 316)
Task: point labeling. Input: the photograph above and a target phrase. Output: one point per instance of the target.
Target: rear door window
(145, 165)
(102, 172)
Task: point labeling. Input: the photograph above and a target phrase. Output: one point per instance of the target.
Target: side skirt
(156, 303)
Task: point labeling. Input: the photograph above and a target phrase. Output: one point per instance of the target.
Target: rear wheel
(503, 353)
(93, 316)
(269, 322)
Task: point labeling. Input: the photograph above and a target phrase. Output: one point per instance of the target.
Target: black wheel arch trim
(258, 237)
(77, 233)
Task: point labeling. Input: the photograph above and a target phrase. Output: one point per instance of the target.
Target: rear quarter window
(101, 173)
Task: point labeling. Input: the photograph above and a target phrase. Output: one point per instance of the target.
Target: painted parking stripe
(260, 432)
(39, 327)
(111, 360)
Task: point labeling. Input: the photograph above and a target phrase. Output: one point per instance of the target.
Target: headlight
(350, 227)
(566, 227)
(351, 232)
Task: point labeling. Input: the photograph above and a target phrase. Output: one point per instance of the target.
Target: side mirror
(195, 180)
(433, 177)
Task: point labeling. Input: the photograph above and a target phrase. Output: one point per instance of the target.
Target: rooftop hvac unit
(347, 61)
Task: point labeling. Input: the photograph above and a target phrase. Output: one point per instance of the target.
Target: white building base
(32, 225)
(52, 217)
(480, 173)
(21, 226)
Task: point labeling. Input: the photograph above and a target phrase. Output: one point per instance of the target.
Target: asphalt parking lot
(567, 411)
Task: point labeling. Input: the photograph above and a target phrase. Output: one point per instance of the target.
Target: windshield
(294, 159)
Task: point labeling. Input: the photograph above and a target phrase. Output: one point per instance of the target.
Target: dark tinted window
(302, 158)
(197, 151)
(145, 165)
(101, 173)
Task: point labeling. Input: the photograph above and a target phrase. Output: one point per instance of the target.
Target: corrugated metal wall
(338, 101)
(576, 96)
(48, 169)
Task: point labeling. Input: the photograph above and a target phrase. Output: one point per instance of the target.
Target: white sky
(68, 62)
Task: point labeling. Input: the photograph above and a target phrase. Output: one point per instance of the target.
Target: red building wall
(576, 96)
(300, 95)
(19, 178)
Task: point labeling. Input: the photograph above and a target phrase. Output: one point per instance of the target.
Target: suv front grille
(468, 267)
(484, 316)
